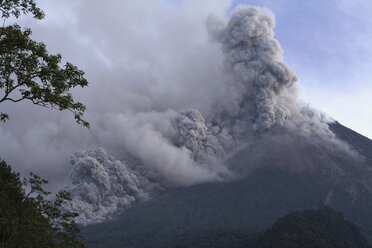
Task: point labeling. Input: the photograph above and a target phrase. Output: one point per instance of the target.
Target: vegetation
(203, 238)
(29, 72)
(28, 219)
(323, 228)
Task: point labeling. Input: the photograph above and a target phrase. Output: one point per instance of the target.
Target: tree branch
(12, 100)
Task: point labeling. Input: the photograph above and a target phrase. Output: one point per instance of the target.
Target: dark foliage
(28, 219)
(323, 228)
(204, 238)
(29, 72)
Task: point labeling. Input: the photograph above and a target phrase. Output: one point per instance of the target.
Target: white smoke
(146, 136)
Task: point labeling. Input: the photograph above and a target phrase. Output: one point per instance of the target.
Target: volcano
(291, 173)
(186, 178)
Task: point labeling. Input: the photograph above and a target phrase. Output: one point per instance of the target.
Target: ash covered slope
(361, 144)
(294, 173)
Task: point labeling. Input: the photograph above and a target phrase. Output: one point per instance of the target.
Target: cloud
(146, 62)
(138, 57)
(168, 99)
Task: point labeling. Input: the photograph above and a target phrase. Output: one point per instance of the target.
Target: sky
(151, 56)
(328, 44)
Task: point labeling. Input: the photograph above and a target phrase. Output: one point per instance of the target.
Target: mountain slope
(359, 142)
(280, 174)
(313, 228)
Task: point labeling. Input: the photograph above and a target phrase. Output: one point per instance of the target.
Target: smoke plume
(169, 98)
(259, 84)
(103, 187)
(203, 141)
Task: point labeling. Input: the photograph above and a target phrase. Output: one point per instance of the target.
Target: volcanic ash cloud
(205, 141)
(103, 187)
(182, 148)
(259, 81)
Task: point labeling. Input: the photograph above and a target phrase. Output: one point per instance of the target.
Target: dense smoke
(261, 93)
(142, 69)
(204, 141)
(259, 80)
(165, 96)
(103, 187)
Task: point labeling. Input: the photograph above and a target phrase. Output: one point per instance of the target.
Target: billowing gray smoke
(204, 141)
(259, 80)
(103, 187)
(182, 148)
(164, 99)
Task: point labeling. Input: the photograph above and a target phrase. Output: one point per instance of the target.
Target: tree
(28, 216)
(29, 72)
(28, 219)
(313, 228)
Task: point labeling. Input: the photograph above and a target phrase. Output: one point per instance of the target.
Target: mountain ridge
(256, 200)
